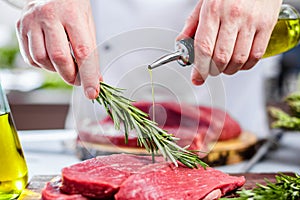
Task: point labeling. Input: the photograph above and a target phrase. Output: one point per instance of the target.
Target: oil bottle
(13, 168)
(286, 33)
(285, 36)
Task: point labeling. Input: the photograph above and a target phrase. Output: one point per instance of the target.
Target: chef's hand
(44, 32)
(229, 35)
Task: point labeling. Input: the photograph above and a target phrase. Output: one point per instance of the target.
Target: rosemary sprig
(150, 136)
(286, 188)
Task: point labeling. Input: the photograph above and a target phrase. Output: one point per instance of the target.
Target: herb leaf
(150, 136)
(286, 188)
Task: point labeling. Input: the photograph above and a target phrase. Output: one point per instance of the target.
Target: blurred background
(40, 100)
(35, 96)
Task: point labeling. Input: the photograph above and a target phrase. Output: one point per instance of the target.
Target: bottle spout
(184, 54)
(165, 59)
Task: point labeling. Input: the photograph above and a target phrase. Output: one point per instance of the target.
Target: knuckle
(59, 57)
(73, 15)
(214, 7)
(24, 24)
(239, 59)
(266, 24)
(256, 55)
(235, 12)
(221, 59)
(204, 48)
(47, 12)
(69, 79)
(40, 58)
(82, 52)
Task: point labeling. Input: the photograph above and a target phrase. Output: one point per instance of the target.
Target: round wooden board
(220, 153)
(232, 151)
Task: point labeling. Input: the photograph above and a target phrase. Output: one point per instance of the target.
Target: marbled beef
(101, 177)
(52, 191)
(123, 176)
(166, 182)
(194, 125)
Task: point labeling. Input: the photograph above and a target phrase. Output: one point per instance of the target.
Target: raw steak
(101, 177)
(222, 125)
(194, 125)
(164, 182)
(52, 192)
(123, 176)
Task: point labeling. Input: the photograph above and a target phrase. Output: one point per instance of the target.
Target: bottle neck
(4, 106)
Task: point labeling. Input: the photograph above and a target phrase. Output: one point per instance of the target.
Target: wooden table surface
(34, 187)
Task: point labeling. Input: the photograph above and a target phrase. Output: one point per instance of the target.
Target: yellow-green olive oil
(153, 98)
(13, 168)
(285, 36)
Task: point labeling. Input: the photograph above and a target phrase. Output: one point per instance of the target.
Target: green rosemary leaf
(285, 188)
(149, 135)
(160, 147)
(139, 112)
(170, 156)
(126, 127)
(141, 140)
(118, 112)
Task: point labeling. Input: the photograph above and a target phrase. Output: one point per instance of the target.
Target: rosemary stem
(149, 135)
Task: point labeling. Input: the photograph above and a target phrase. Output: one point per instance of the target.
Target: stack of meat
(129, 177)
(196, 126)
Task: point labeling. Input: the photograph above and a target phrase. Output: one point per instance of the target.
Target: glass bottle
(285, 36)
(286, 33)
(13, 168)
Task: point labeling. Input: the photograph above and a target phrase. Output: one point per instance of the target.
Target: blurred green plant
(287, 120)
(7, 56)
(54, 81)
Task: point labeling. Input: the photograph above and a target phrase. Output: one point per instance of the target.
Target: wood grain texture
(220, 153)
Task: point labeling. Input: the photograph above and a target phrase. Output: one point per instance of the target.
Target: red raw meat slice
(123, 176)
(175, 114)
(195, 126)
(182, 120)
(52, 192)
(223, 126)
(101, 177)
(164, 182)
(109, 135)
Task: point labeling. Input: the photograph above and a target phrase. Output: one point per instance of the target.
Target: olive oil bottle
(13, 168)
(286, 33)
(285, 36)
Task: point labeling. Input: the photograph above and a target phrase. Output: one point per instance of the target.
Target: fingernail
(90, 93)
(198, 81)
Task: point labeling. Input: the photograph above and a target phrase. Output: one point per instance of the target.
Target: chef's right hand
(45, 32)
(230, 35)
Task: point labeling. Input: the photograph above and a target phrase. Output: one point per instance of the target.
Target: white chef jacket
(133, 33)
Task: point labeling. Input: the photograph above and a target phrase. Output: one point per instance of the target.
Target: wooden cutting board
(219, 153)
(35, 186)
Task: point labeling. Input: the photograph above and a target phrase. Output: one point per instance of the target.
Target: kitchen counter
(48, 151)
